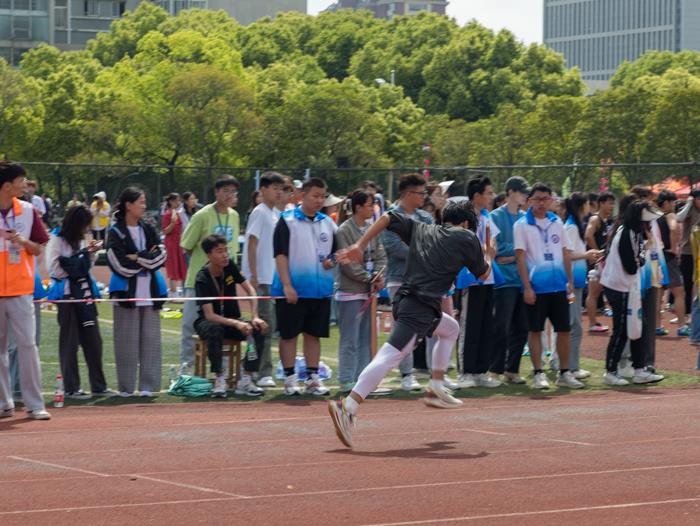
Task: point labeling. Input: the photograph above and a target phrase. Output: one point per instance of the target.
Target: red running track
(603, 458)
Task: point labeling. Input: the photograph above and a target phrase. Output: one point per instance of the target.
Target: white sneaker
(343, 421)
(450, 384)
(484, 380)
(78, 395)
(185, 369)
(266, 381)
(614, 379)
(626, 372)
(569, 380)
(220, 387)
(39, 414)
(291, 385)
(314, 386)
(440, 398)
(642, 376)
(540, 381)
(146, 394)
(467, 381)
(246, 387)
(7, 413)
(409, 383)
(581, 374)
(125, 394)
(514, 378)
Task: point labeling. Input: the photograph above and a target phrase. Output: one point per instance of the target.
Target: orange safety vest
(17, 279)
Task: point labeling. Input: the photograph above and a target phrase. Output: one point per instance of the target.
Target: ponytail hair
(574, 204)
(129, 195)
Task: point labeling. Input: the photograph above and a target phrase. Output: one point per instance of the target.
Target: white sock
(438, 385)
(351, 405)
(387, 358)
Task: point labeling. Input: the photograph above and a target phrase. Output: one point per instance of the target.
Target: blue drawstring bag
(324, 372)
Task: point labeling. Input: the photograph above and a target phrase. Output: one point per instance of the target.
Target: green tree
(126, 32)
(21, 111)
(405, 45)
(656, 63)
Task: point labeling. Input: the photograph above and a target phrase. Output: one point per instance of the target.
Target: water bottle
(172, 374)
(60, 393)
(251, 352)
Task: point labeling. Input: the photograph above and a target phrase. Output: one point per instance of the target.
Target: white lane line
(476, 481)
(187, 486)
(115, 506)
(625, 505)
(58, 466)
(569, 442)
(106, 475)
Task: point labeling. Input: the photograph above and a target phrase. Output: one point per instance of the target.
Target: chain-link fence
(62, 181)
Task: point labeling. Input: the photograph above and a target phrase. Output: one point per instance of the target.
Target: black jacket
(119, 245)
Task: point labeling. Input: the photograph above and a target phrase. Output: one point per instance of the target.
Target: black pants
(618, 338)
(687, 269)
(510, 330)
(476, 344)
(215, 334)
(72, 334)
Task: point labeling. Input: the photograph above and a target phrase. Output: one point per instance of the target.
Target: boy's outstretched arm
(354, 253)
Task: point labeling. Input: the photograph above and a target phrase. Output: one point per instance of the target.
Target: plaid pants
(137, 343)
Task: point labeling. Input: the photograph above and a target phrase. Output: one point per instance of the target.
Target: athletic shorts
(308, 315)
(412, 317)
(553, 306)
(675, 277)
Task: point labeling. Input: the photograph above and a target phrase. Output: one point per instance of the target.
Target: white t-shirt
(39, 205)
(261, 224)
(143, 280)
(481, 233)
(544, 242)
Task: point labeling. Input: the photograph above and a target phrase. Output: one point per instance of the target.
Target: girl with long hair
(134, 255)
(576, 209)
(69, 259)
(175, 266)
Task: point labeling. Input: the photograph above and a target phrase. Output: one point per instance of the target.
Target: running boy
(436, 255)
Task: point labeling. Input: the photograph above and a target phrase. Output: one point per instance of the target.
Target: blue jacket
(397, 250)
(505, 245)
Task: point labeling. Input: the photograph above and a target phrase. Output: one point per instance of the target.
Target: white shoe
(146, 394)
(220, 387)
(467, 381)
(39, 414)
(440, 398)
(78, 395)
(246, 387)
(484, 380)
(314, 386)
(409, 383)
(343, 421)
(450, 384)
(185, 369)
(614, 379)
(626, 372)
(125, 394)
(291, 385)
(581, 374)
(515, 379)
(569, 380)
(540, 381)
(7, 413)
(266, 381)
(642, 376)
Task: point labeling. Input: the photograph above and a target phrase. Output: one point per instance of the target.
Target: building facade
(599, 35)
(69, 24)
(391, 8)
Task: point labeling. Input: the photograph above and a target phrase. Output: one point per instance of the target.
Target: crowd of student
(549, 258)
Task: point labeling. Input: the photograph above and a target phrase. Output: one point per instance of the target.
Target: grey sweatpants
(354, 349)
(266, 311)
(137, 346)
(17, 314)
(189, 316)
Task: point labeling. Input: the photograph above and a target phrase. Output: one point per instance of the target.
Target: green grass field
(329, 351)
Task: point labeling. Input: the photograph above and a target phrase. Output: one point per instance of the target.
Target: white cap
(332, 200)
(445, 186)
(297, 184)
(101, 195)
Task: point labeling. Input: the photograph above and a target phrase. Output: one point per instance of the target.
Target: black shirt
(225, 285)
(436, 254)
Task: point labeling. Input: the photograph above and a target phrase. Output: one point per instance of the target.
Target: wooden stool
(231, 349)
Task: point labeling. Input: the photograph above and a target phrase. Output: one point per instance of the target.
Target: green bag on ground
(193, 386)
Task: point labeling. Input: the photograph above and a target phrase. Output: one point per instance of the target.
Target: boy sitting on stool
(221, 319)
